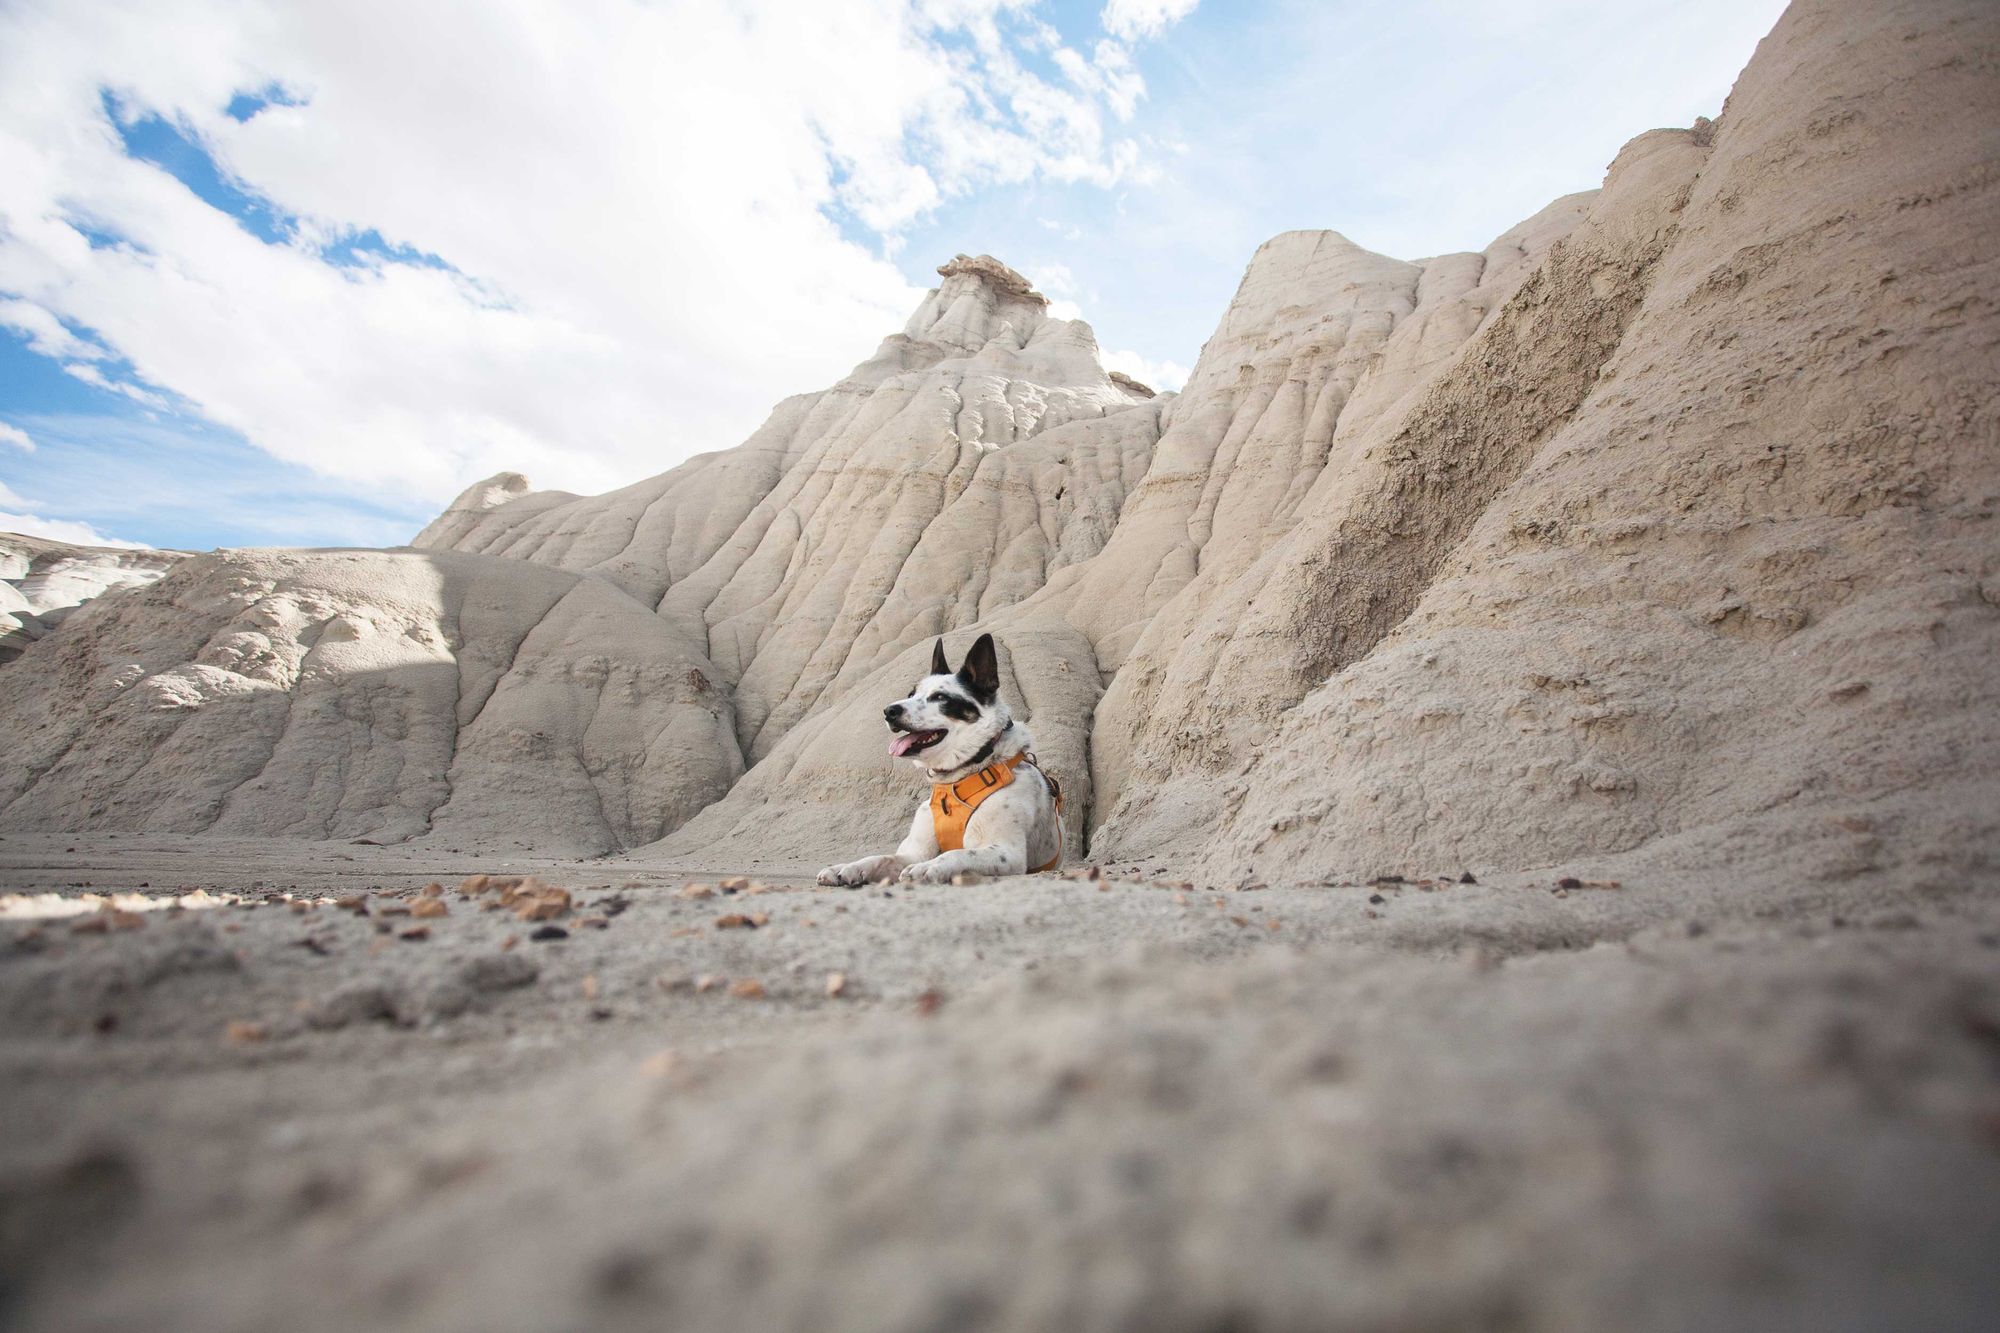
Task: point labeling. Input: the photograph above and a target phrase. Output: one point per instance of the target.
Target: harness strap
(952, 803)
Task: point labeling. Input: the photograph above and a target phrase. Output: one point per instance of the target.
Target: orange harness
(952, 803)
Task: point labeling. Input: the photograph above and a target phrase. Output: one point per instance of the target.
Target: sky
(293, 273)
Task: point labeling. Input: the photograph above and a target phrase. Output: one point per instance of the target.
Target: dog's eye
(937, 698)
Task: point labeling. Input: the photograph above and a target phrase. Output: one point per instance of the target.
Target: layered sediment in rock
(367, 694)
(42, 582)
(1692, 547)
(1666, 523)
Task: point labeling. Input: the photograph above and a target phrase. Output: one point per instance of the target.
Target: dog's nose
(892, 712)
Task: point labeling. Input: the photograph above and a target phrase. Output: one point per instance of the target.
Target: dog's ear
(981, 672)
(939, 665)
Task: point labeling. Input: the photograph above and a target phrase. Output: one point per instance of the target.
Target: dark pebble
(549, 933)
(1467, 878)
(1569, 882)
(1377, 899)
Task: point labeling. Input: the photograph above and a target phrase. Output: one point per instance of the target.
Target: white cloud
(12, 519)
(1161, 376)
(1109, 73)
(45, 333)
(1053, 280)
(60, 530)
(637, 205)
(91, 375)
(1134, 20)
(17, 437)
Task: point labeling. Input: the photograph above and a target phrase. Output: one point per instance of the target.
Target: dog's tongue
(904, 742)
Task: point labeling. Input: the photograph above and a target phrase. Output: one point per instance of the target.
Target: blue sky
(294, 284)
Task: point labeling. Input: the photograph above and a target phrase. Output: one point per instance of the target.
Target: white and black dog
(992, 810)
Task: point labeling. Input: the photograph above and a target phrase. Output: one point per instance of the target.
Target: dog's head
(951, 715)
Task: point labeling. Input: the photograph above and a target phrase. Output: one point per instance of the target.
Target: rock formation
(1662, 526)
(42, 582)
(364, 694)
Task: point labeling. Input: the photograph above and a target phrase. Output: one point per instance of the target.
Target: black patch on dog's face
(953, 705)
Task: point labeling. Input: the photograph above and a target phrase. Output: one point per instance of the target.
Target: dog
(992, 810)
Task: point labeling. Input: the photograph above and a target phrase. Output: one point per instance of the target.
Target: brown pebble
(836, 985)
(416, 933)
(541, 909)
(242, 1033)
(431, 907)
(929, 1003)
(741, 920)
(748, 989)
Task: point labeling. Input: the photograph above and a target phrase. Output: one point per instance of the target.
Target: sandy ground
(1036, 1103)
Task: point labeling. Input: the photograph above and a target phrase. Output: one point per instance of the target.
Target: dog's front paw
(927, 872)
(855, 872)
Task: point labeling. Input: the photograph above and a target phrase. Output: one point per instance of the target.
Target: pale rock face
(473, 503)
(1662, 523)
(385, 695)
(695, 618)
(1266, 621)
(977, 452)
(42, 582)
(1241, 449)
(1720, 587)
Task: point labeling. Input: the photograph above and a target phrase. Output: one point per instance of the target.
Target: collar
(940, 776)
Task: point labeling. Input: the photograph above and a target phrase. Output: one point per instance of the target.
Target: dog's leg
(1008, 860)
(920, 845)
(867, 870)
